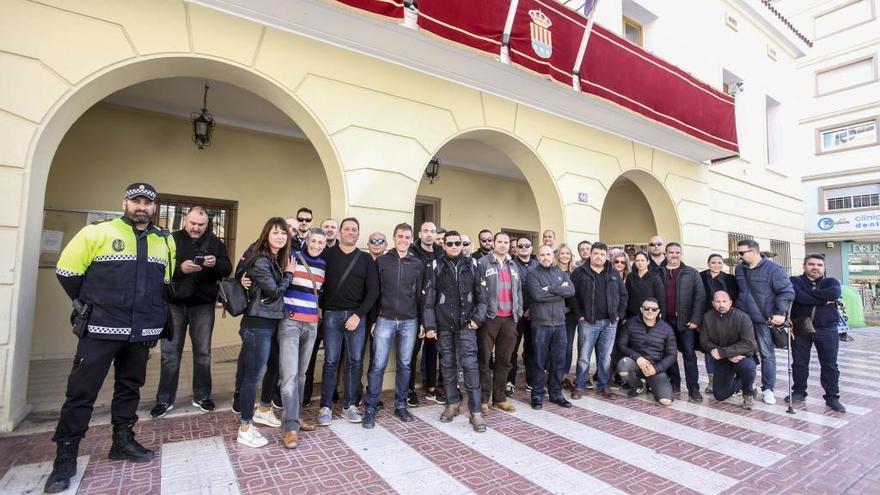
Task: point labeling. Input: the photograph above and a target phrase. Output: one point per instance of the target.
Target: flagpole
(576, 70)
(508, 27)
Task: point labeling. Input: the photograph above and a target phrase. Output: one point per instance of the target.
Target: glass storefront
(863, 274)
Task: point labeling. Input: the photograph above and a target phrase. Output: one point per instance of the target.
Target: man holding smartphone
(200, 263)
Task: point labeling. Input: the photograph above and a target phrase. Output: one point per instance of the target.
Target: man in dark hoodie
(201, 262)
(815, 297)
(599, 303)
(426, 250)
(728, 337)
(548, 287)
(454, 305)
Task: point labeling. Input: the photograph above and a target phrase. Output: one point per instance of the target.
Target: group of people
(468, 307)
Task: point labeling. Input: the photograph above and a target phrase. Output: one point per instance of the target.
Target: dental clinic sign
(846, 222)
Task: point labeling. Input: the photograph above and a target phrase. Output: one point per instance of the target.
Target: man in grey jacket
(502, 287)
(548, 286)
(765, 294)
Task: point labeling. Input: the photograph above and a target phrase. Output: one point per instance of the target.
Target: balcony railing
(544, 37)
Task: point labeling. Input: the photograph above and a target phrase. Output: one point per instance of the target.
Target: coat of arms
(542, 39)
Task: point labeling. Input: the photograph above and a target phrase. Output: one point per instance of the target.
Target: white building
(837, 140)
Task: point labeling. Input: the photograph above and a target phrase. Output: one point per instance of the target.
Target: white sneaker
(325, 416)
(251, 437)
(352, 414)
(266, 418)
(769, 398)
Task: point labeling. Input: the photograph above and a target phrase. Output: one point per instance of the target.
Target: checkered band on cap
(140, 189)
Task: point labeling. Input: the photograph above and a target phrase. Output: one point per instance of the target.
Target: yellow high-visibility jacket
(122, 273)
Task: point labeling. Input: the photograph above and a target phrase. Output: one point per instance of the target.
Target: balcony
(618, 88)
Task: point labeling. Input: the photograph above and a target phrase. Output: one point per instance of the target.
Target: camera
(199, 260)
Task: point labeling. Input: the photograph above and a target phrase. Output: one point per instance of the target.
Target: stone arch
(59, 119)
(541, 181)
(632, 193)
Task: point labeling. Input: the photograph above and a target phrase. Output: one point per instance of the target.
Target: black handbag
(780, 333)
(232, 295)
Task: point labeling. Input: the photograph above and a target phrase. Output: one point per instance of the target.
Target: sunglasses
(523, 246)
(377, 242)
(453, 243)
(487, 239)
(465, 243)
(303, 220)
(620, 262)
(742, 253)
(650, 310)
(656, 244)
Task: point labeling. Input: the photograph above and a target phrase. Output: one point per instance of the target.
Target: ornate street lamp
(432, 172)
(203, 124)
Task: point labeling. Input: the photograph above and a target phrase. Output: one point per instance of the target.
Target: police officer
(116, 273)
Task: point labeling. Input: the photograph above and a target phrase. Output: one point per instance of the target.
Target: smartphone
(199, 260)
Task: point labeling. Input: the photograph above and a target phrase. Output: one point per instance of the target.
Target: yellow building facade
(370, 127)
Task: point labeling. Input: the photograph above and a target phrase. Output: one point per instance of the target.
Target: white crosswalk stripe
(197, 466)
(30, 478)
(691, 476)
(819, 402)
(401, 466)
(542, 470)
(774, 430)
(711, 441)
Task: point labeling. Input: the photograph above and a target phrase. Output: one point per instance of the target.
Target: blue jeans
(827, 344)
(295, 341)
(687, 342)
(730, 377)
(549, 343)
(255, 346)
(406, 332)
(335, 335)
(601, 336)
(768, 356)
(571, 324)
(460, 346)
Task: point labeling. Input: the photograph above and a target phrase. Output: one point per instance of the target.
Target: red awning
(386, 8)
(545, 38)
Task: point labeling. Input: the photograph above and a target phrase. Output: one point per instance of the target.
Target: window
(732, 239)
(866, 195)
(781, 253)
(221, 216)
(632, 31)
(774, 130)
(846, 76)
(516, 234)
(842, 18)
(731, 83)
(849, 136)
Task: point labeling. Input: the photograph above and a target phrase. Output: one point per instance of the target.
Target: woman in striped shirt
(297, 334)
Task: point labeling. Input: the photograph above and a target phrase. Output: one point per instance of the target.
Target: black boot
(125, 447)
(64, 467)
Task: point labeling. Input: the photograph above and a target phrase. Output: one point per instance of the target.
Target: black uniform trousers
(90, 366)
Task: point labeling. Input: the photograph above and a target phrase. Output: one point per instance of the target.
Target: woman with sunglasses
(620, 263)
(270, 272)
(715, 279)
(565, 262)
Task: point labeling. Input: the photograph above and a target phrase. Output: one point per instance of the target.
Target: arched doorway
(76, 127)
(490, 179)
(636, 207)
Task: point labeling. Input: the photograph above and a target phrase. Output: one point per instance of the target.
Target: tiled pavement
(617, 445)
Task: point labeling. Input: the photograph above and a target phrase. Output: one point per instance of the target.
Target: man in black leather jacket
(454, 307)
